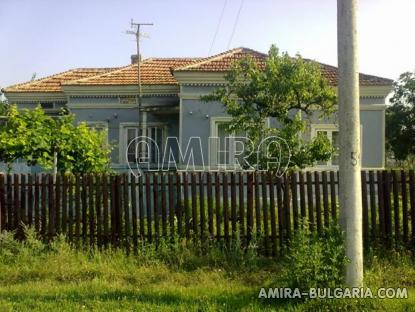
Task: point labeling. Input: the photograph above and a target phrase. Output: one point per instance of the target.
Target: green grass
(35, 277)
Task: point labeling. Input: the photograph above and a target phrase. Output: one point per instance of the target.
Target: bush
(315, 260)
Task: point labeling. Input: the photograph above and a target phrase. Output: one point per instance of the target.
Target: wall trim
(121, 90)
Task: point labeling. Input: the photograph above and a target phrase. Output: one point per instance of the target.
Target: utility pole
(137, 35)
(349, 124)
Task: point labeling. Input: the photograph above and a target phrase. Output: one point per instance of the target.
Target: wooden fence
(122, 210)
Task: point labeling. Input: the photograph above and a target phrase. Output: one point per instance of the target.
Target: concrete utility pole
(349, 124)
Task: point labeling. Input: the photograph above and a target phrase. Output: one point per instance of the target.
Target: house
(107, 98)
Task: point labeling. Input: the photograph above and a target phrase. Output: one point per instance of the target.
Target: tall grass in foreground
(181, 275)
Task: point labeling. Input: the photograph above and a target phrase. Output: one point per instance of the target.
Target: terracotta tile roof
(53, 83)
(330, 72)
(153, 71)
(159, 71)
(222, 62)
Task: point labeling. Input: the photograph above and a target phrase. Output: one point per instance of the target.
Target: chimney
(134, 58)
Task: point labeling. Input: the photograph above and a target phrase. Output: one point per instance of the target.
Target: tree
(287, 89)
(52, 141)
(400, 119)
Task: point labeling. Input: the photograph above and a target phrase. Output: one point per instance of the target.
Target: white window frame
(330, 128)
(98, 124)
(123, 137)
(212, 145)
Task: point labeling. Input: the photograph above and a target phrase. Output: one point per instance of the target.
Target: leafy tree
(400, 119)
(52, 141)
(286, 88)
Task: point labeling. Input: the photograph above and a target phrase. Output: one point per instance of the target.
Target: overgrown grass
(177, 276)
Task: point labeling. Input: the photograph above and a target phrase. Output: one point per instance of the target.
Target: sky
(50, 36)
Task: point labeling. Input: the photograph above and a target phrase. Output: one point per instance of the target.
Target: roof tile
(153, 71)
(159, 71)
(53, 83)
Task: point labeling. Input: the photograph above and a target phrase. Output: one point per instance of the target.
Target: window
(332, 132)
(128, 100)
(148, 148)
(226, 149)
(333, 135)
(98, 126)
(47, 105)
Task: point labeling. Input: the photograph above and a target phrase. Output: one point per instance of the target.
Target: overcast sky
(50, 36)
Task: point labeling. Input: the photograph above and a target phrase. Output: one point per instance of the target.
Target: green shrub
(315, 260)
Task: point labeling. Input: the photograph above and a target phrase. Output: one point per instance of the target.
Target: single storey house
(107, 98)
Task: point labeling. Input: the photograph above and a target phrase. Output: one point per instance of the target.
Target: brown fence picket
(265, 212)
(64, 223)
(3, 208)
(30, 199)
(395, 190)
(281, 213)
(156, 206)
(194, 204)
(179, 205)
(210, 205)
(171, 204)
(302, 195)
(250, 205)
(373, 213)
(310, 203)
(78, 208)
(113, 208)
(412, 200)
(326, 211)
(333, 198)
(365, 209)
(225, 206)
(404, 206)
(241, 203)
(90, 209)
(141, 206)
(272, 213)
(116, 209)
(293, 180)
(51, 207)
(22, 207)
(105, 209)
(287, 209)
(148, 205)
(381, 205)
(84, 196)
(57, 206)
(71, 207)
(387, 205)
(257, 205)
(16, 204)
(233, 205)
(126, 213)
(98, 209)
(217, 206)
(318, 199)
(9, 193)
(186, 204)
(163, 204)
(202, 206)
(37, 202)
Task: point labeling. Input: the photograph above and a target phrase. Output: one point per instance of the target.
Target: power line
(217, 26)
(236, 23)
